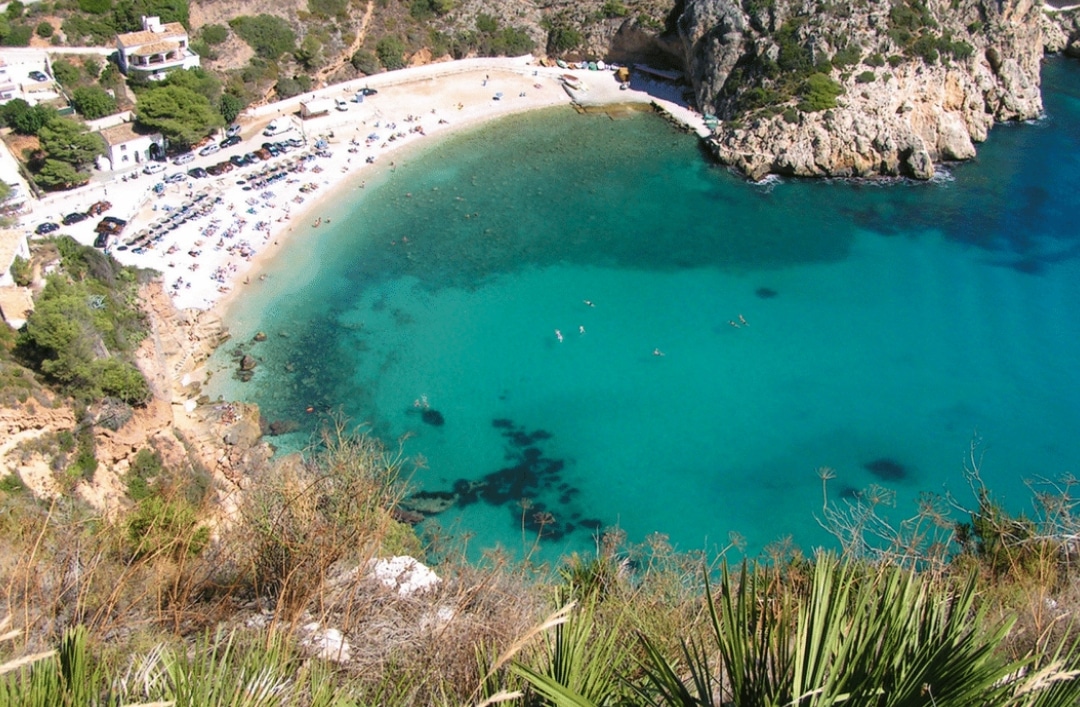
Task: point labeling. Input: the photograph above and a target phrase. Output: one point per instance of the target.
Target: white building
(156, 50)
(7, 84)
(126, 148)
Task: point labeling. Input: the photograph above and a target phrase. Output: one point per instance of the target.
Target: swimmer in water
(588, 303)
(657, 352)
(581, 329)
(733, 323)
(742, 320)
(558, 335)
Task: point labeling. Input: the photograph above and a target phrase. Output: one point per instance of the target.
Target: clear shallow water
(885, 325)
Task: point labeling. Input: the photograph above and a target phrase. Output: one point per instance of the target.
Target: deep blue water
(881, 329)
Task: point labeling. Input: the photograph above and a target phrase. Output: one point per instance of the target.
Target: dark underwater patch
(887, 469)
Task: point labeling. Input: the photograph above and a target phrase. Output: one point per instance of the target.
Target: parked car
(73, 218)
(230, 141)
(110, 224)
(341, 104)
(102, 240)
(209, 149)
(295, 142)
(98, 208)
(252, 157)
(38, 76)
(239, 160)
(175, 178)
(265, 154)
(198, 173)
(365, 91)
(232, 131)
(184, 158)
(154, 168)
(47, 227)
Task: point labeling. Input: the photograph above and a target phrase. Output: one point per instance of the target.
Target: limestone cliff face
(895, 118)
(1061, 31)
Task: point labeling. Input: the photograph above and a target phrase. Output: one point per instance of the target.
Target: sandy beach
(208, 236)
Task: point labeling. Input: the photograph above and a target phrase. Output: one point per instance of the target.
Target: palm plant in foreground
(582, 666)
(858, 635)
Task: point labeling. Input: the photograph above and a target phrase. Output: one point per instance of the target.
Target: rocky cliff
(863, 88)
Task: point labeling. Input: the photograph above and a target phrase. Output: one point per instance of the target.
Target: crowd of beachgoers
(206, 234)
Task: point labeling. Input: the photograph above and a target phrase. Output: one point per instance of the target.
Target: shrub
(160, 526)
(95, 7)
(66, 73)
(214, 34)
(19, 36)
(895, 60)
(848, 56)
(85, 463)
(144, 470)
(614, 8)
(21, 271)
(875, 60)
(365, 62)
(92, 67)
(486, 24)
(819, 93)
(44, 29)
(791, 115)
(268, 35)
(866, 77)
(391, 52)
(563, 38)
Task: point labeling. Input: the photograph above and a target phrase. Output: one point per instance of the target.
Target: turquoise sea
(881, 328)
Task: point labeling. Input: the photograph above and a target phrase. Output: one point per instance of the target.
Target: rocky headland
(864, 88)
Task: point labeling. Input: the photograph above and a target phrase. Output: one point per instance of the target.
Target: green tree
(70, 141)
(391, 52)
(55, 174)
(92, 102)
(66, 73)
(230, 106)
(180, 114)
(268, 35)
(44, 29)
(24, 118)
(198, 80)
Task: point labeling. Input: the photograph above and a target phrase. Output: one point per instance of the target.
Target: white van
(341, 104)
(277, 127)
(154, 168)
(184, 158)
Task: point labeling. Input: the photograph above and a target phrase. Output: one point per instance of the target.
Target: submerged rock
(432, 417)
(261, 336)
(248, 363)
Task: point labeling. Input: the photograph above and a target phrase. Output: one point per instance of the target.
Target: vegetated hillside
(286, 48)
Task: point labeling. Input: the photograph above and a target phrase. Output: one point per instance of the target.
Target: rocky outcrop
(897, 118)
(1061, 31)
